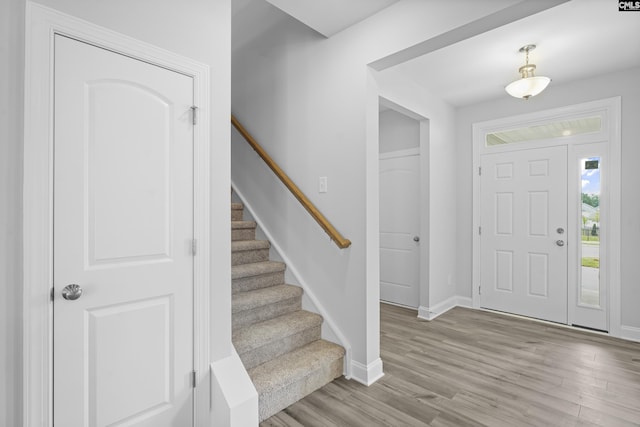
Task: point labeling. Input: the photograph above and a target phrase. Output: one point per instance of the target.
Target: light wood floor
(475, 368)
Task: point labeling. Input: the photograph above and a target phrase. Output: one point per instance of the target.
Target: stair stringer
(330, 331)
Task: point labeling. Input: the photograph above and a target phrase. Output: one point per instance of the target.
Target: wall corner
(367, 374)
(234, 399)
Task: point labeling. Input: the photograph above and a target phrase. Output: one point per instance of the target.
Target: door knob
(560, 242)
(416, 238)
(560, 230)
(72, 292)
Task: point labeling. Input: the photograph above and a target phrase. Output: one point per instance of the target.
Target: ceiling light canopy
(528, 84)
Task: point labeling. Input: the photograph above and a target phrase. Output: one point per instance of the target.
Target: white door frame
(42, 24)
(424, 312)
(610, 111)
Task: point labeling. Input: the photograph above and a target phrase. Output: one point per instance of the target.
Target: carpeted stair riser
(249, 252)
(279, 347)
(243, 230)
(267, 340)
(264, 304)
(236, 211)
(281, 383)
(271, 403)
(248, 277)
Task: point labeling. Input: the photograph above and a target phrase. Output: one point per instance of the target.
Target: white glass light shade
(527, 87)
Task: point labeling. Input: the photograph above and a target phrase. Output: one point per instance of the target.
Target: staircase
(278, 342)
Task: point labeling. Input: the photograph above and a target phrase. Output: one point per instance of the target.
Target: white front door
(123, 232)
(524, 232)
(399, 230)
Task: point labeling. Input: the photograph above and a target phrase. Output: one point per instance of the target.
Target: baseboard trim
(430, 313)
(466, 302)
(630, 333)
(367, 374)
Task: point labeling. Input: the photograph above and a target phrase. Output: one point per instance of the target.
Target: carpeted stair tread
(243, 230)
(256, 269)
(284, 370)
(249, 251)
(249, 245)
(248, 277)
(262, 304)
(285, 380)
(239, 225)
(260, 297)
(237, 211)
(263, 333)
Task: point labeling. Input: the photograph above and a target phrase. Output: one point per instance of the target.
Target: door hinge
(194, 375)
(194, 247)
(52, 294)
(479, 289)
(480, 231)
(480, 170)
(194, 115)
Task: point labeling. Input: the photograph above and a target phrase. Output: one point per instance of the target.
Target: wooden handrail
(334, 234)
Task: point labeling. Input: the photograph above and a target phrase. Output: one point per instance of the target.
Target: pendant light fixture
(528, 84)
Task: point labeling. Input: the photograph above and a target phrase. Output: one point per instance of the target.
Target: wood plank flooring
(476, 368)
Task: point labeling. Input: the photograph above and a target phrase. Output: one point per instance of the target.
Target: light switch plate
(322, 184)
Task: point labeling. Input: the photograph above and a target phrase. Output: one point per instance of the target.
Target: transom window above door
(556, 129)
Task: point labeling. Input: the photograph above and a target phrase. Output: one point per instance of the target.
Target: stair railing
(334, 234)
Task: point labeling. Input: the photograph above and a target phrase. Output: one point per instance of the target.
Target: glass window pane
(589, 289)
(545, 131)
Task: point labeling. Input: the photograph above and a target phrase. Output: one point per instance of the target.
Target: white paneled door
(523, 232)
(123, 232)
(399, 230)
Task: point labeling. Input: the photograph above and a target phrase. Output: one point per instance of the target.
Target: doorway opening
(401, 188)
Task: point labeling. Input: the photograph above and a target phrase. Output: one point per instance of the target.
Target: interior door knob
(560, 242)
(416, 238)
(72, 292)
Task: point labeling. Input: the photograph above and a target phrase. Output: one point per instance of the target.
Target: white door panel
(523, 256)
(140, 155)
(123, 226)
(399, 224)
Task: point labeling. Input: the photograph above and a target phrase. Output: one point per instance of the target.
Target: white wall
(199, 29)
(306, 100)
(11, 105)
(624, 84)
(398, 132)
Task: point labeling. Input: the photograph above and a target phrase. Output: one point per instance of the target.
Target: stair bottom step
(292, 376)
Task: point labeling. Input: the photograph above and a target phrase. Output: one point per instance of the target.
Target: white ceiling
(331, 16)
(576, 40)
